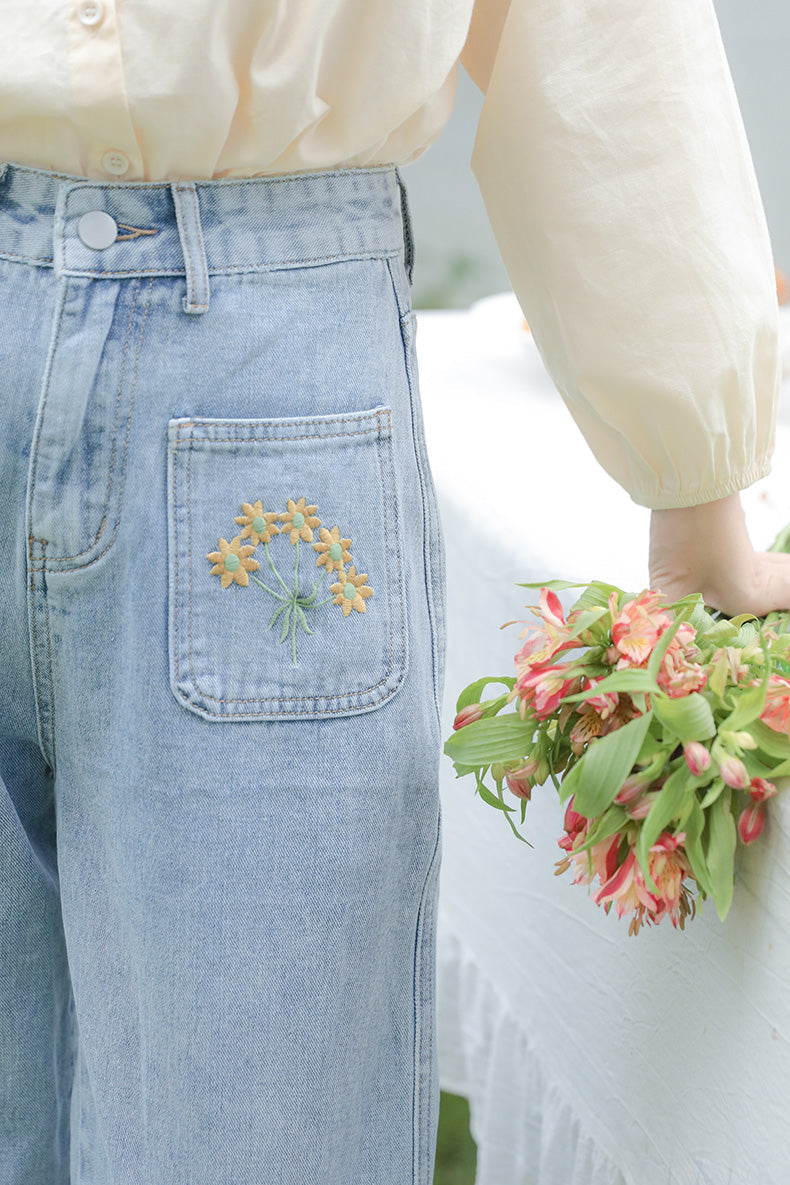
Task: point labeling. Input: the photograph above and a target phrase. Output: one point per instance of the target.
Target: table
(588, 1057)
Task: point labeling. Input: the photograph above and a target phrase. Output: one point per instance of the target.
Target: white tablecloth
(589, 1058)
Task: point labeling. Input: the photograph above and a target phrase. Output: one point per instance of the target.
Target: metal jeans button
(97, 229)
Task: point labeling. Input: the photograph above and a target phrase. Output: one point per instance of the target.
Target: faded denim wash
(219, 809)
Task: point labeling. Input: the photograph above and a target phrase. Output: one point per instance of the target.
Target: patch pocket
(286, 582)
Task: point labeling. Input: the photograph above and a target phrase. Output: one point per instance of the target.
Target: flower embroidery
(350, 591)
(300, 520)
(258, 526)
(232, 562)
(333, 551)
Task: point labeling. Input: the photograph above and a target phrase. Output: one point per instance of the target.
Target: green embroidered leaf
(599, 774)
(497, 738)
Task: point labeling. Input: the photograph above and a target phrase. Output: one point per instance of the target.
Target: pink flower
(697, 756)
(468, 715)
(628, 892)
(751, 822)
(639, 625)
(776, 713)
(520, 781)
(733, 771)
(548, 638)
(604, 704)
(545, 687)
(677, 676)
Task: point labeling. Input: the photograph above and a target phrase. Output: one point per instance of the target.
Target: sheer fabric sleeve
(615, 170)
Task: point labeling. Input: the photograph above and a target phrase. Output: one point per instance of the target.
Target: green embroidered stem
(279, 596)
(296, 573)
(277, 574)
(286, 622)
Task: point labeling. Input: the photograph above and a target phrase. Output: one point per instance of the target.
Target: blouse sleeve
(615, 170)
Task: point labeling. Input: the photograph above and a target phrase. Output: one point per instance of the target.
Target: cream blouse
(610, 154)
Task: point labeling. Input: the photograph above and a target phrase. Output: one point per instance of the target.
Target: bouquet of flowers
(664, 728)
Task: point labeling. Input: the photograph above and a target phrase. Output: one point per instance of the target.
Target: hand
(706, 549)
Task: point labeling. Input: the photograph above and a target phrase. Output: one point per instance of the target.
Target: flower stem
(277, 574)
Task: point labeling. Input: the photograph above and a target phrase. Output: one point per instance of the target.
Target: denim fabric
(219, 820)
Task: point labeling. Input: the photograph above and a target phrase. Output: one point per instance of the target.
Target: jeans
(221, 662)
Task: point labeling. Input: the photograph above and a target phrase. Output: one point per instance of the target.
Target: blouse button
(115, 162)
(90, 12)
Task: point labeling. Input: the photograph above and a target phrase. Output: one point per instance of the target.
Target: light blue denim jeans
(221, 655)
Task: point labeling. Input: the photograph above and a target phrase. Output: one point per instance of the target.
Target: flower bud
(498, 771)
(520, 781)
(751, 822)
(760, 790)
(573, 822)
(631, 790)
(733, 771)
(468, 715)
(697, 756)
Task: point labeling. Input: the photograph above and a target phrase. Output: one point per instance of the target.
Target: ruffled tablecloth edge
(526, 1130)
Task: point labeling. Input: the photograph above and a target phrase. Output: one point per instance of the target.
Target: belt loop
(190, 232)
(408, 233)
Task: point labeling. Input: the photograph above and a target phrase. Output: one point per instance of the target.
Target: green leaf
(693, 827)
(661, 647)
(670, 802)
(599, 774)
(551, 585)
(474, 692)
(596, 595)
(490, 798)
(629, 681)
(720, 852)
(689, 717)
(773, 743)
(748, 707)
(721, 633)
(587, 619)
(495, 738)
(610, 822)
(714, 791)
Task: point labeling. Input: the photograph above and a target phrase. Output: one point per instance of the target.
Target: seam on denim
(429, 542)
(383, 415)
(34, 647)
(79, 182)
(315, 700)
(49, 660)
(185, 238)
(418, 1089)
(201, 244)
(98, 535)
(111, 540)
(11, 255)
(233, 268)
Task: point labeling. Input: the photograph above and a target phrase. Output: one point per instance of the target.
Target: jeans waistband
(199, 228)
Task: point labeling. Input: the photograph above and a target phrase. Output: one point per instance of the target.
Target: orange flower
(300, 521)
(332, 550)
(232, 562)
(351, 591)
(258, 526)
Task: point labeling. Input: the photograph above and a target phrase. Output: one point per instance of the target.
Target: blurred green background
(455, 1148)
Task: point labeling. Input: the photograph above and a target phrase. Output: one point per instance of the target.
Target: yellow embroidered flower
(258, 526)
(332, 551)
(351, 591)
(299, 519)
(232, 562)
